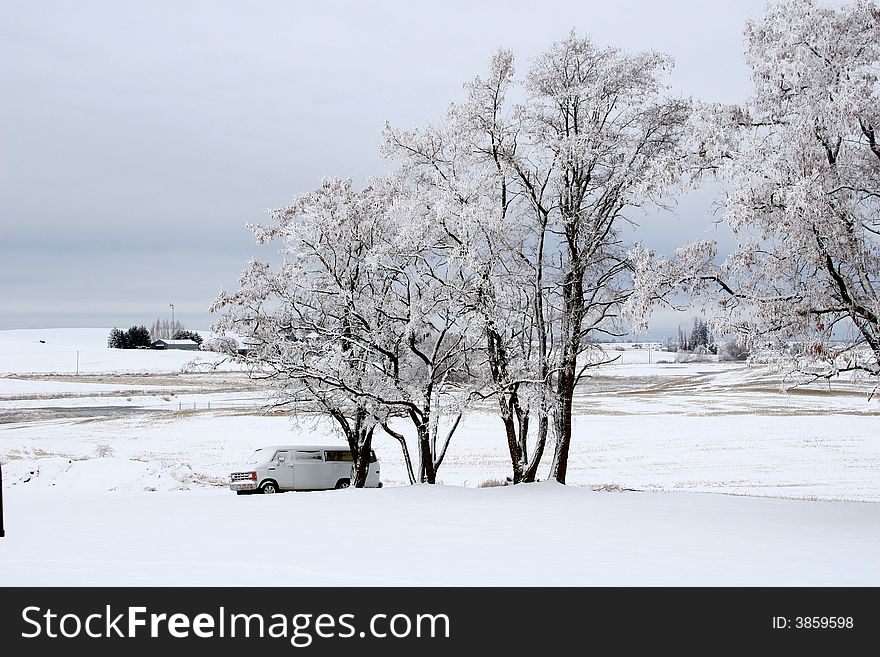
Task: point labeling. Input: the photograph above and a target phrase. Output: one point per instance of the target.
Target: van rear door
(339, 464)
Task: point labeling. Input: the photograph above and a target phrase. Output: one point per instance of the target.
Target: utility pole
(172, 318)
(2, 530)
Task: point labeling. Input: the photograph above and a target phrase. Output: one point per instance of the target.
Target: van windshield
(257, 457)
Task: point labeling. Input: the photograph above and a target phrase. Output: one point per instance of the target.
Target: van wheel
(343, 483)
(268, 487)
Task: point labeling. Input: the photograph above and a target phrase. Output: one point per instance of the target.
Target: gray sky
(137, 139)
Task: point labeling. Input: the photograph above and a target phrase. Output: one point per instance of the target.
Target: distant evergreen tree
(682, 340)
(699, 335)
(117, 339)
(183, 334)
(137, 336)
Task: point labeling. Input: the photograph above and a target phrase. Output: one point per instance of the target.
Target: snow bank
(98, 474)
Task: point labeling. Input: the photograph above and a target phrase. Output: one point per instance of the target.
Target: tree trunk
(360, 442)
(427, 474)
(572, 325)
(562, 422)
(406, 458)
(513, 441)
(531, 471)
(515, 421)
(361, 464)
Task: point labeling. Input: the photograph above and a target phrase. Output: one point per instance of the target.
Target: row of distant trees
(163, 329)
(136, 336)
(139, 337)
(700, 340)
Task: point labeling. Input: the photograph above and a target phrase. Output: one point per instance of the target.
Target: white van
(300, 467)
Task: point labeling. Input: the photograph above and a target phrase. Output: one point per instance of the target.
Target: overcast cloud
(138, 138)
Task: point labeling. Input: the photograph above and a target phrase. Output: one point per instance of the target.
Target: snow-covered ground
(541, 534)
(84, 350)
(117, 475)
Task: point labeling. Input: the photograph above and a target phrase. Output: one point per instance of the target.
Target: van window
(340, 455)
(302, 455)
(345, 455)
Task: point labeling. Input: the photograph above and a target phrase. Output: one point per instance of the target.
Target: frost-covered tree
(600, 139)
(801, 165)
(164, 329)
(225, 344)
(363, 317)
(682, 340)
(428, 323)
(735, 349)
(314, 325)
(540, 189)
(463, 169)
(484, 267)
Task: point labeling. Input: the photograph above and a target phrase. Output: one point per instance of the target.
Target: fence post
(2, 530)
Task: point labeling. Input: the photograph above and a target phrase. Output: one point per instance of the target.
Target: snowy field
(116, 475)
(67, 351)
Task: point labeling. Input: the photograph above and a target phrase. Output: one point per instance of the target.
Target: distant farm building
(247, 347)
(189, 345)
